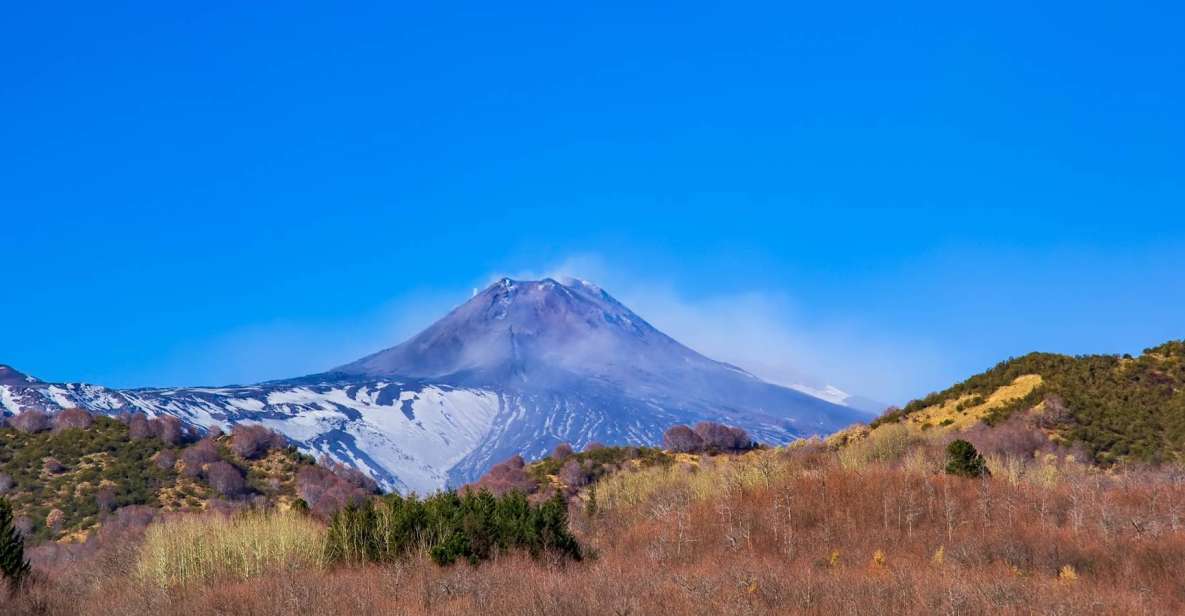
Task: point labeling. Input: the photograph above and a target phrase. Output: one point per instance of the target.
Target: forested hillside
(1116, 407)
(65, 474)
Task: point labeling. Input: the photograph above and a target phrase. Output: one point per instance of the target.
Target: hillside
(1118, 408)
(65, 475)
(809, 528)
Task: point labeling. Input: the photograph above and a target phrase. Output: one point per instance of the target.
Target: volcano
(519, 368)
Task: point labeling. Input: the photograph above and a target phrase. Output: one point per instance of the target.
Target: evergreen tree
(13, 565)
(963, 460)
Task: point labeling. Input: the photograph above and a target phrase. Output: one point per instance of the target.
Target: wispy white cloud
(765, 332)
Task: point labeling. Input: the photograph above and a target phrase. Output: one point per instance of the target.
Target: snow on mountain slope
(518, 368)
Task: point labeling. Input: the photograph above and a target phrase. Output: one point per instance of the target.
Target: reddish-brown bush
(139, 426)
(719, 437)
(507, 476)
(105, 499)
(165, 459)
(253, 441)
(169, 430)
(326, 491)
(226, 479)
(561, 452)
(682, 439)
(573, 474)
(198, 455)
(72, 419)
(31, 421)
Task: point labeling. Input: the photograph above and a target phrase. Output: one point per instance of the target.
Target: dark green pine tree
(963, 460)
(13, 565)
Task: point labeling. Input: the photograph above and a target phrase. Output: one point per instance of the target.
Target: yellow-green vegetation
(972, 408)
(886, 443)
(600, 461)
(86, 460)
(85, 472)
(194, 548)
(704, 477)
(1117, 407)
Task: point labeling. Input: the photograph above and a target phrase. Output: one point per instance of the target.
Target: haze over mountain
(518, 368)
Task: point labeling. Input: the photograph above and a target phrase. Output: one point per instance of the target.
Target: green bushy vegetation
(473, 526)
(63, 482)
(100, 456)
(13, 565)
(1117, 407)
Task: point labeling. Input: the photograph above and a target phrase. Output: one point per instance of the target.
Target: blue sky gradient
(906, 194)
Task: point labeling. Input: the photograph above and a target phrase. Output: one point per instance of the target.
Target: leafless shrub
(6, 483)
(170, 430)
(198, 455)
(226, 479)
(254, 441)
(719, 437)
(139, 427)
(165, 459)
(561, 452)
(326, 491)
(105, 499)
(1018, 436)
(507, 476)
(24, 525)
(31, 421)
(72, 419)
(682, 439)
(573, 474)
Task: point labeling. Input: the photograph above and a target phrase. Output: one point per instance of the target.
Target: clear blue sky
(219, 192)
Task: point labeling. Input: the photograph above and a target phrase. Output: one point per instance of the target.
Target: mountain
(519, 368)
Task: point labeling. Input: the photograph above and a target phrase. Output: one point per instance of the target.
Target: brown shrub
(169, 430)
(507, 476)
(682, 439)
(719, 437)
(72, 419)
(198, 455)
(105, 499)
(561, 452)
(226, 479)
(139, 426)
(165, 459)
(253, 441)
(30, 421)
(326, 491)
(574, 475)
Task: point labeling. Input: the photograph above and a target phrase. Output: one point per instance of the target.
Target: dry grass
(773, 532)
(197, 548)
(969, 410)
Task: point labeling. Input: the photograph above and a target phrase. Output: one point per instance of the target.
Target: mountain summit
(545, 335)
(518, 368)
